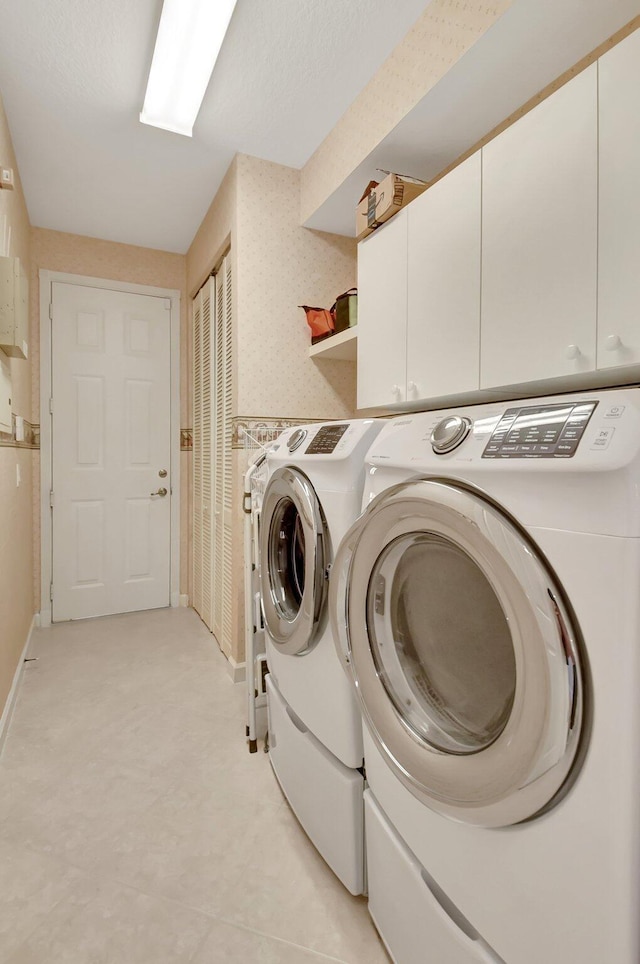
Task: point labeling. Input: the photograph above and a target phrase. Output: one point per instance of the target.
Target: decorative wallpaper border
(31, 436)
(253, 433)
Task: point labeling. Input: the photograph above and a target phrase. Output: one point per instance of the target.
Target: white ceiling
(73, 75)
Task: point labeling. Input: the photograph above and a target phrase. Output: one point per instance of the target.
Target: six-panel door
(111, 446)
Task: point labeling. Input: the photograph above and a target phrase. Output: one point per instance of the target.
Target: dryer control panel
(540, 431)
(326, 439)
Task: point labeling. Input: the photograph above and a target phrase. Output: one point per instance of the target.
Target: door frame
(47, 278)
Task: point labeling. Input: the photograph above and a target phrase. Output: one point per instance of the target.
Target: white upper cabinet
(619, 229)
(382, 315)
(539, 240)
(522, 265)
(443, 327)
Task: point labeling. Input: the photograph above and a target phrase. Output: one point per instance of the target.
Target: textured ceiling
(73, 75)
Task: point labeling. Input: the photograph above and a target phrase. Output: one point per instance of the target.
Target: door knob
(161, 492)
(612, 343)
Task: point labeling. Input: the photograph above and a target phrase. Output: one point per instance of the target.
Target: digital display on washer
(539, 431)
(326, 439)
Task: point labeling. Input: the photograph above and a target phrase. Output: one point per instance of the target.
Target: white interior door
(110, 451)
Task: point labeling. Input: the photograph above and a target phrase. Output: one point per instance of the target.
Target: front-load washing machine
(487, 609)
(313, 494)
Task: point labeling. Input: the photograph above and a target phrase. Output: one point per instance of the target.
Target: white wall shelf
(340, 347)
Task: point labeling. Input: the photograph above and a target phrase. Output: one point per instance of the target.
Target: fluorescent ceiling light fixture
(189, 39)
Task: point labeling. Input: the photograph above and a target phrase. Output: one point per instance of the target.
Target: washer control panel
(540, 431)
(326, 439)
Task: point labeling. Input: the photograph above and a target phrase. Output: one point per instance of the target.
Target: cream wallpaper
(16, 515)
(444, 32)
(280, 266)
(73, 254)
(276, 266)
(213, 236)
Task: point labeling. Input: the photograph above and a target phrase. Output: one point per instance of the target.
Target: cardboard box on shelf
(381, 201)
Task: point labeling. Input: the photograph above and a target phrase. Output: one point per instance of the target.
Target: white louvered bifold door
(223, 463)
(203, 424)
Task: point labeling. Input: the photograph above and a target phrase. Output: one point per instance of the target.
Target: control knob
(297, 439)
(449, 433)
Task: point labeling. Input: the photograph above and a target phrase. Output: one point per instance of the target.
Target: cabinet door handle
(572, 351)
(395, 391)
(412, 387)
(612, 343)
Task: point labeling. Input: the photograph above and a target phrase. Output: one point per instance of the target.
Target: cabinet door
(443, 331)
(539, 240)
(619, 227)
(382, 314)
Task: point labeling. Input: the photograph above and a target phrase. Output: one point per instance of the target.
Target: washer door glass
(293, 561)
(450, 671)
(286, 558)
(463, 652)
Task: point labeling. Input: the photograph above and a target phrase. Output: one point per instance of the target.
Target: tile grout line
(282, 940)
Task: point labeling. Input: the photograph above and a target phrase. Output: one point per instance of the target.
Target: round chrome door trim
(535, 757)
(293, 624)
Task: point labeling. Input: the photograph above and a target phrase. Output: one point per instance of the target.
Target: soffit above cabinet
(528, 48)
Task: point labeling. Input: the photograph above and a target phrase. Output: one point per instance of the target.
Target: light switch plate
(6, 178)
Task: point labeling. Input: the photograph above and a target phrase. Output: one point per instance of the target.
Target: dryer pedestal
(324, 794)
(408, 908)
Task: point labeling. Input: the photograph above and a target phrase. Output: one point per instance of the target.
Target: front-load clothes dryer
(486, 609)
(313, 495)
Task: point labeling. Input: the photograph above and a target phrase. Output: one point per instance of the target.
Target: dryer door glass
(451, 670)
(293, 562)
(286, 558)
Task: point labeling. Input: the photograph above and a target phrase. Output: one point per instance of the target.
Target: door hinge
(50, 311)
(51, 592)
(51, 498)
(50, 406)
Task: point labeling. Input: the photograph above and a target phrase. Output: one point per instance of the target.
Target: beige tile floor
(136, 827)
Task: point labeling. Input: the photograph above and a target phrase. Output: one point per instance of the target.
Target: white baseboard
(237, 671)
(184, 600)
(7, 713)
